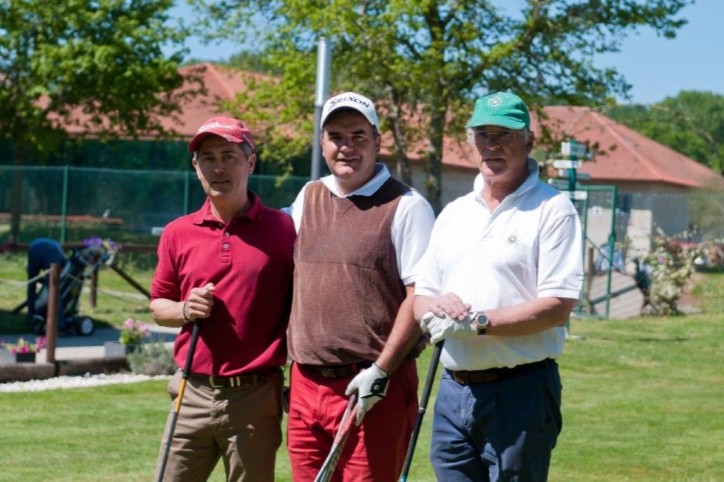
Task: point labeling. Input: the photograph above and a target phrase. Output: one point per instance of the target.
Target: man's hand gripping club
(371, 385)
(199, 303)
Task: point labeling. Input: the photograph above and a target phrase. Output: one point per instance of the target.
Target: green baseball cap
(500, 109)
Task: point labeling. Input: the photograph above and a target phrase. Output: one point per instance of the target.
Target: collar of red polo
(204, 215)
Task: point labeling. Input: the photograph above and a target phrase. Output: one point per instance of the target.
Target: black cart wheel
(85, 326)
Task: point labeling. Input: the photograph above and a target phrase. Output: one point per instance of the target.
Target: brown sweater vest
(347, 288)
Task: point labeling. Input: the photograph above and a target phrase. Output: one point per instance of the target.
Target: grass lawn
(642, 402)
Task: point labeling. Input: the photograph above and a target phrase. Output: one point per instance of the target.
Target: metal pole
(571, 193)
(64, 205)
(320, 96)
(611, 242)
(187, 187)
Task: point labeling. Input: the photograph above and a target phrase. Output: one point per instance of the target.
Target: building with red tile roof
(625, 158)
(637, 165)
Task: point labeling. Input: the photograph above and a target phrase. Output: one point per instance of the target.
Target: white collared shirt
(411, 225)
(529, 247)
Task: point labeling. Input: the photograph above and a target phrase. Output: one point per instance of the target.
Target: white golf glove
(371, 385)
(443, 328)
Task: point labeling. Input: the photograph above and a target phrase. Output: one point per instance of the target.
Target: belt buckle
(328, 373)
(212, 384)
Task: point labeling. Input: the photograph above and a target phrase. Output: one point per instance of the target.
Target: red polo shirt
(250, 261)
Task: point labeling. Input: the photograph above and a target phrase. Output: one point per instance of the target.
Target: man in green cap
(499, 279)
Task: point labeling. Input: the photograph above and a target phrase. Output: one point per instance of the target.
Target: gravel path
(75, 382)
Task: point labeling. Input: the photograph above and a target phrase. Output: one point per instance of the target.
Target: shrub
(672, 266)
(152, 359)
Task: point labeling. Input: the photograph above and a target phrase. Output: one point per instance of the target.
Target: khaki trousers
(242, 426)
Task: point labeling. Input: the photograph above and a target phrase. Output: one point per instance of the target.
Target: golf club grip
(427, 389)
(192, 348)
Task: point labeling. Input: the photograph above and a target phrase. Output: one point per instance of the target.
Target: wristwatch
(481, 322)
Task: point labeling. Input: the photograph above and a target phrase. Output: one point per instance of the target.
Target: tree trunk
(434, 160)
(17, 201)
(402, 165)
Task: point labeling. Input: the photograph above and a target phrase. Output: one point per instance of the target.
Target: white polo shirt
(411, 225)
(529, 247)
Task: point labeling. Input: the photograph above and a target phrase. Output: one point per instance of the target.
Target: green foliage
(104, 57)
(252, 62)
(152, 359)
(101, 58)
(425, 61)
(691, 123)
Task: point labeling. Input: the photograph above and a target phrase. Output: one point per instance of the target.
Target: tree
(102, 58)
(424, 61)
(691, 123)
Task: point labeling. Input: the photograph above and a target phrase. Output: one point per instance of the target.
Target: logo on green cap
(495, 101)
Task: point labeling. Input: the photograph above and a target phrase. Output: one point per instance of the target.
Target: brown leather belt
(468, 377)
(337, 371)
(245, 380)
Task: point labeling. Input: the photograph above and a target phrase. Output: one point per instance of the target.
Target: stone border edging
(22, 372)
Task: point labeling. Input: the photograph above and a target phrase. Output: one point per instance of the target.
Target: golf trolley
(81, 264)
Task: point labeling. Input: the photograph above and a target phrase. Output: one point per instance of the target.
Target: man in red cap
(230, 264)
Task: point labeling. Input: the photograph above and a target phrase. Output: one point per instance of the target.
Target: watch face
(482, 322)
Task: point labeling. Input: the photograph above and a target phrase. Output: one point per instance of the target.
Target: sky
(656, 67)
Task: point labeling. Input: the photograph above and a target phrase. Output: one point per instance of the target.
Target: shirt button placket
(226, 248)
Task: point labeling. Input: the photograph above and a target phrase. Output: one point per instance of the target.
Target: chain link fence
(69, 203)
(131, 207)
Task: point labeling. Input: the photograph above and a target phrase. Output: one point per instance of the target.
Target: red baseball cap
(233, 130)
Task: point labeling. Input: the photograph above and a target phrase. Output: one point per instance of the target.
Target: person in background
(42, 252)
(229, 264)
(498, 281)
(360, 235)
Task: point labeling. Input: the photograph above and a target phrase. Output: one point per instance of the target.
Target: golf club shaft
(423, 406)
(327, 470)
(179, 398)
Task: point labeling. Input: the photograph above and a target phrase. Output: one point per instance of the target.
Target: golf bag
(81, 264)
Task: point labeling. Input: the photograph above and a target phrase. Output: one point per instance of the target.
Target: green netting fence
(71, 204)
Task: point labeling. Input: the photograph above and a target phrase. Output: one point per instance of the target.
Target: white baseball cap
(350, 100)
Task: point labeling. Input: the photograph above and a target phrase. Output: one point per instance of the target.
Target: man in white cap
(498, 281)
(230, 264)
(360, 234)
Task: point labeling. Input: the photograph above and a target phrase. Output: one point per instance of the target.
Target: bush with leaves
(152, 359)
(672, 266)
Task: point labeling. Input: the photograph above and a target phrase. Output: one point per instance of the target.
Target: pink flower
(23, 346)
